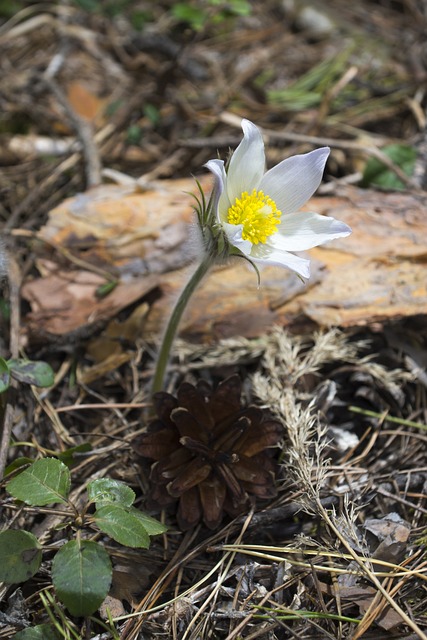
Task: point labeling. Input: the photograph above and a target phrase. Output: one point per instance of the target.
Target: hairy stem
(172, 327)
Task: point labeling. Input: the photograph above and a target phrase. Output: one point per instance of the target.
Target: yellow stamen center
(257, 213)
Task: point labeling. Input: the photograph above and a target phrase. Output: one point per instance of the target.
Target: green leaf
(81, 575)
(134, 134)
(45, 482)
(377, 174)
(139, 19)
(4, 309)
(40, 374)
(240, 7)
(152, 113)
(193, 16)
(67, 456)
(127, 525)
(107, 490)
(4, 375)
(20, 556)
(152, 526)
(105, 289)
(40, 632)
(16, 464)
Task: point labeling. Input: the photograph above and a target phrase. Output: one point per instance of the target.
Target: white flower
(258, 211)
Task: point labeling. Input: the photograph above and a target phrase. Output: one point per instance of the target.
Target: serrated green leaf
(377, 174)
(125, 525)
(40, 632)
(44, 482)
(40, 374)
(152, 526)
(20, 556)
(4, 375)
(108, 490)
(81, 575)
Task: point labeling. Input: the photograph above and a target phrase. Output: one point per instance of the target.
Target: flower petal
(294, 180)
(221, 202)
(268, 255)
(301, 231)
(234, 235)
(247, 164)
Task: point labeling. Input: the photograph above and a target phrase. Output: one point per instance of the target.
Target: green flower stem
(172, 327)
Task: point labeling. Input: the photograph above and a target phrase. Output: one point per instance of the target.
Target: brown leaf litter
(86, 98)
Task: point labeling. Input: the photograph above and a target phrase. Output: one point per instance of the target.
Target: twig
(385, 417)
(14, 277)
(61, 168)
(84, 133)
(82, 127)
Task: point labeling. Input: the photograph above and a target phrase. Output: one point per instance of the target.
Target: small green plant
(39, 632)
(376, 174)
(309, 90)
(39, 374)
(197, 14)
(22, 371)
(81, 569)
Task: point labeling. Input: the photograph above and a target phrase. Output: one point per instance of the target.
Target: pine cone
(211, 454)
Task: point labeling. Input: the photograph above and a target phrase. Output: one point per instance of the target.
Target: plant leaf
(20, 556)
(40, 632)
(124, 525)
(376, 173)
(67, 456)
(81, 575)
(152, 526)
(107, 490)
(194, 16)
(104, 289)
(44, 482)
(40, 374)
(17, 463)
(4, 375)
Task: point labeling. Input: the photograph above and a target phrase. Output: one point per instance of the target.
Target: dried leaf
(390, 528)
(363, 596)
(393, 533)
(84, 102)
